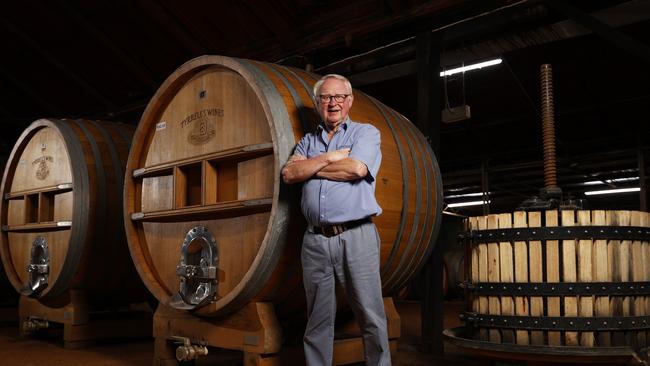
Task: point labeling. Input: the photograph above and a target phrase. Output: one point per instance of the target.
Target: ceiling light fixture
(477, 194)
(469, 203)
(479, 65)
(612, 191)
(609, 181)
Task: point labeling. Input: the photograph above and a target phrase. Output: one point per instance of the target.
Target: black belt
(333, 230)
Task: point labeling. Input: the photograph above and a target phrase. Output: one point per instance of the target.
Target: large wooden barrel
(61, 215)
(560, 278)
(210, 225)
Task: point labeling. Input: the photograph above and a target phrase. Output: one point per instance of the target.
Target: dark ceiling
(105, 59)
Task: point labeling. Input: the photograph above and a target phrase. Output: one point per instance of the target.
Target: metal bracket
(197, 270)
(38, 268)
(557, 323)
(558, 288)
(558, 233)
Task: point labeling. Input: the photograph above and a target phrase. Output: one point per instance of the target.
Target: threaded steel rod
(548, 126)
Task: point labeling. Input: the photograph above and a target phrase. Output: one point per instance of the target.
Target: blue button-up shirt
(326, 202)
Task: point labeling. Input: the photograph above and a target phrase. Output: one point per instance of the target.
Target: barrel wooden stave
(259, 252)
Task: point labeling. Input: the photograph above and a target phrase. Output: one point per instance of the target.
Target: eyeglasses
(338, 98)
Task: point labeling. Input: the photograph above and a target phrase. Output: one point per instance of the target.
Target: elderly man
(338, 164)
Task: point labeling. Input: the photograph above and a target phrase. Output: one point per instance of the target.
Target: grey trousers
(352, 258)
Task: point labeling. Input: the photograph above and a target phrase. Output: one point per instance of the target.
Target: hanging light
(613, 191)
(479, 65)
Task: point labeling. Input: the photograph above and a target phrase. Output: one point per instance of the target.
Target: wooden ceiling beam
(47, 106)
(266, 12)
(604, 30)
(136, 69)
(172, 27)
(46, 55)
(633, 11)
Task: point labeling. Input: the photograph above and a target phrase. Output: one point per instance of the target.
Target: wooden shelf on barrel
(208, 212)
(41, 226)
(56, 189)
(205, 187)
(237, 154)
(38, 206)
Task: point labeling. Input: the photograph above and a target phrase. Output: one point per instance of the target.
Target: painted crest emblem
(202, 131)
(42, 169)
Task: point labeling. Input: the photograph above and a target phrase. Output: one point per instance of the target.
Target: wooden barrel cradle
(61, 213)
(562, 284)
(210, 225)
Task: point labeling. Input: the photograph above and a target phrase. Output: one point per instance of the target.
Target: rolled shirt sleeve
(367, 150)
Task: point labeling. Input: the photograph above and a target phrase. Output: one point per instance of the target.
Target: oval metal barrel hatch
(62, 226)
(210, 225)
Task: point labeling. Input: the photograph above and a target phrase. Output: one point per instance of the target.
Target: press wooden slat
(614, 274)
(646, 265)
(601, 273)
(494, 305)
(536, 275)
(472, 224)
(586, 303)
(553, 275)
(506, 270)
(638, 274)
(483, 274)
(623, 218)
(569, 275)
(521, 274)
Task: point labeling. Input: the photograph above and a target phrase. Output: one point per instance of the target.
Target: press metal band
(558, 289)
(557, 323)
(558, 233)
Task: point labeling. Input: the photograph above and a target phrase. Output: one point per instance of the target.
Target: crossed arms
(333, 165)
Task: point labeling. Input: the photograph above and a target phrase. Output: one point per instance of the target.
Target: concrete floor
(48, 350)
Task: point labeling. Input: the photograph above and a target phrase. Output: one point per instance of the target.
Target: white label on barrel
(161, 126)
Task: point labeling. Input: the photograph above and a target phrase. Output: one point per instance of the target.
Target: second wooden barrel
(61, 213)
(210, 225)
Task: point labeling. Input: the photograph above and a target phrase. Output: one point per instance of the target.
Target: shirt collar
(345, 125)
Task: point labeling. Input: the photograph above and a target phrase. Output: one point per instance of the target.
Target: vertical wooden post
(428, 121)
(429, 94)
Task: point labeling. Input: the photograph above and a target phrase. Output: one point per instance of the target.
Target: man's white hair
(342, 78)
